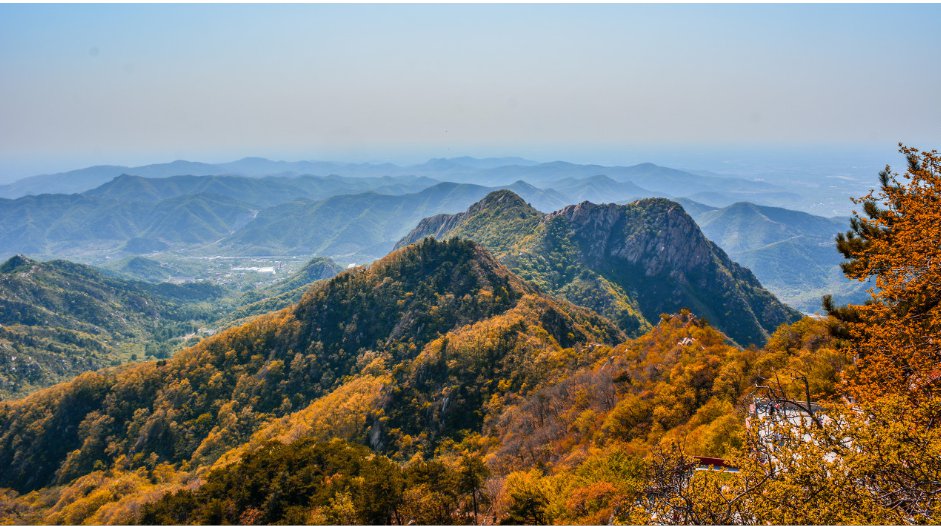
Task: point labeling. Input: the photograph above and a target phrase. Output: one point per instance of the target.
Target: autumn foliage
(873, 453)
(897, 241)
(438, 387)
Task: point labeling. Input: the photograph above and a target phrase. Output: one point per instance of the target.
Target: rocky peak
(499, 200)
(496, 208)
(588, 215)
(651, 249)
(655, 233)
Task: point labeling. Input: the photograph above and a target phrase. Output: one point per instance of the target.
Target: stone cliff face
(653, 233)
(630, 262)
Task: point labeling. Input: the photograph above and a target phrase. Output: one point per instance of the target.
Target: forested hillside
(440, 302)
(571, 451)
(562, 435)
(58, 319)
(283, 293)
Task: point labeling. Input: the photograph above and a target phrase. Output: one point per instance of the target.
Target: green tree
(472, 472)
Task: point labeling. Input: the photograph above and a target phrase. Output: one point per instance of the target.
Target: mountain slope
(628, 262)
(190, 409)
(58, 319)
(283, 293)
(792, 253)
(66, 224)
(356, 227)
(143, 269)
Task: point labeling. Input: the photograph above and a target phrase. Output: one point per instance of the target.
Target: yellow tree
(895, 387)
(897, 242)
(875, 457)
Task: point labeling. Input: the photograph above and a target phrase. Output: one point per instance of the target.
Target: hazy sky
(136, 84)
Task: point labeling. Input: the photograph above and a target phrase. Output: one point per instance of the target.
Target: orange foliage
(898, 242)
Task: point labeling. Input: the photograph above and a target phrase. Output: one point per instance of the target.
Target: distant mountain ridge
(357, 217)
(649, 179)
(628, 262)
(81, 180)
(259, 192)
(137, 215)
(57, 225)
(793, 253)
(600, 189)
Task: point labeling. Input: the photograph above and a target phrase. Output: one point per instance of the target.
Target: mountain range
(260, 192)
(138, 215)
(629, 262)
(77, 181)
(358, 219)
(652, 179)
(398, 391)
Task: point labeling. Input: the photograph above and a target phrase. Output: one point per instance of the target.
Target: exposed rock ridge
(654, 233)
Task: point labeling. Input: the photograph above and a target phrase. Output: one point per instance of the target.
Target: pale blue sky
(134, 84)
